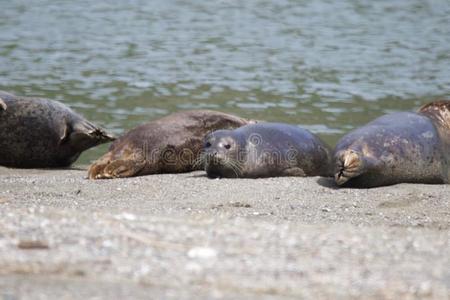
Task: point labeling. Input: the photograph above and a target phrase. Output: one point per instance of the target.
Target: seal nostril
(208, 144)
(227, 146)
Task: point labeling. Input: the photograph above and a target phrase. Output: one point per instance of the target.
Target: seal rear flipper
(350, 164)
(3, 105)
(121, 169)
(439, 111)
(90, 130)
(83, 135)
(107, 167)
(98, 166)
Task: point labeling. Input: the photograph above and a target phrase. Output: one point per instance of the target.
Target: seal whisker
(233, 168)
(234, 165)
(199, 161)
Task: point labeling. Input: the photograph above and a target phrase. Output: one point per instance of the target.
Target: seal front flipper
(64, 133)
(298, 172)
(3, 105)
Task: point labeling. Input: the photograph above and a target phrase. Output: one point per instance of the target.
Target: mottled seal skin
(265, 150)
(171, 144)
(40, 133)
(400, 147)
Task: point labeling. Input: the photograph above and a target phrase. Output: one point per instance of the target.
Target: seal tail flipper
(3, 105)
(350, 164)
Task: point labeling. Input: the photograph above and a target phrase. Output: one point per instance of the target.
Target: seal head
(223, 154)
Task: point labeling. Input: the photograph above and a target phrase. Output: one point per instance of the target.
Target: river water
(328, 66)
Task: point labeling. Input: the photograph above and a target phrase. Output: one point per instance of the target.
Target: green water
(328, 66)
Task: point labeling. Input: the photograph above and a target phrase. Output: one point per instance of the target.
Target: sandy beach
(185, 236)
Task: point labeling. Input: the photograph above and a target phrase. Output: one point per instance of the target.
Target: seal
(265, 150)
(41, 133)
(400, 147)
(171, 144)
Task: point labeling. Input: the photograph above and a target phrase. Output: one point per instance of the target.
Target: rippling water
(326, 65)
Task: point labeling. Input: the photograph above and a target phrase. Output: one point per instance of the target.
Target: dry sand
(188, 237)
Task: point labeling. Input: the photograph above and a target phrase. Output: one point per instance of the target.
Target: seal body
(265, 150)
(168, 145)
(40, 133)
(399, 147)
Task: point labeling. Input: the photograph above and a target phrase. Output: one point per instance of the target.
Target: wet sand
(188, 237)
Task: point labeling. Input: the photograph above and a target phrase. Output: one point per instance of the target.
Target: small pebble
(126, 216)
(202, 252)
(32, 245)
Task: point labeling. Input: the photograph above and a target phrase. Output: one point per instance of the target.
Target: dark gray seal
(40, 133)
(171, 144)
(265, 150)
(399, 147)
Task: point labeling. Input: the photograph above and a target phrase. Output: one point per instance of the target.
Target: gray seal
(400, 147)
(171, 144)
(265, 150)
(41, 133)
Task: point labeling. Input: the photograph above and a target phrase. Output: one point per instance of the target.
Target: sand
(185, 236)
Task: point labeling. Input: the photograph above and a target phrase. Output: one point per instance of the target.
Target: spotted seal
(167, 145)
(265, 150)
(398, 147)
(41, 133)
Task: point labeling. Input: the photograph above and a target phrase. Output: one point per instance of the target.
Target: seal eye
(208, 144)
(227, 146)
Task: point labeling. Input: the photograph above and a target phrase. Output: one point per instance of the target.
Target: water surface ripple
(326, 65)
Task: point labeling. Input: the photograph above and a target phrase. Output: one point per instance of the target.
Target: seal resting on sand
(265, 150)
(167, 145)
(40, 133)
(399, 147)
